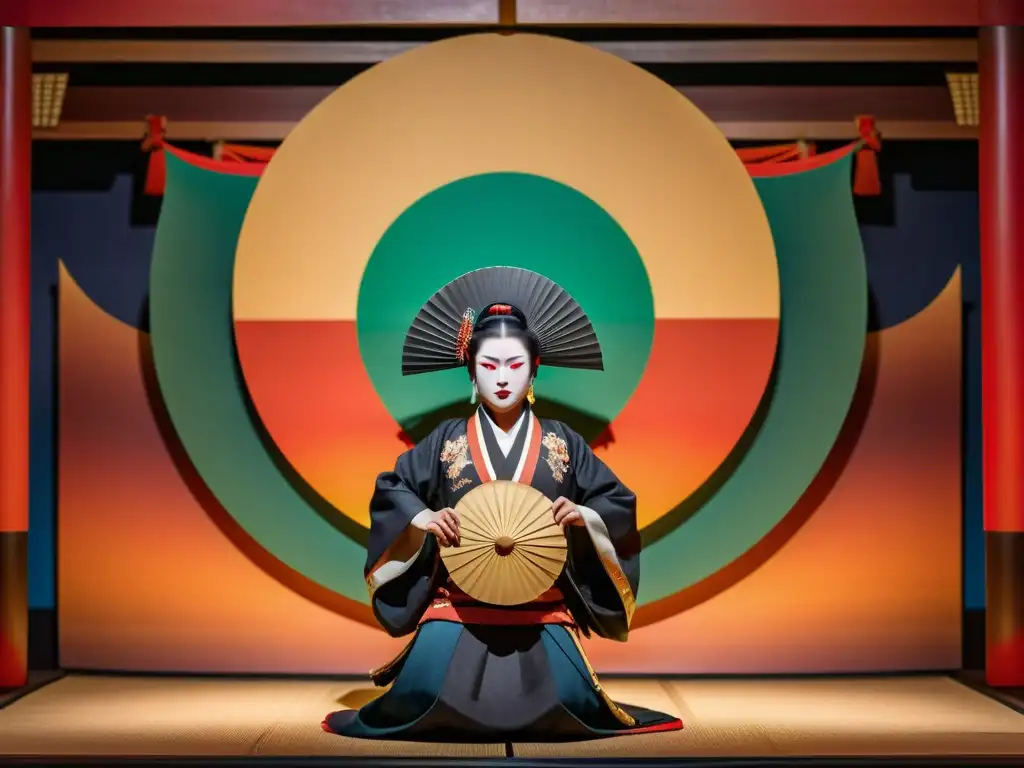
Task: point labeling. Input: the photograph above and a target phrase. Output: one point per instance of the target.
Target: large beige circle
(486, 103)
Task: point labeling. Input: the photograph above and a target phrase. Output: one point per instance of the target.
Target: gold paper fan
(511, 550)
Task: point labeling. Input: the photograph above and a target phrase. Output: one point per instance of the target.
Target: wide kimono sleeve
(604, 553)
(401, 559)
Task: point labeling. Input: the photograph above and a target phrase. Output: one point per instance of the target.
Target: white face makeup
(502, 373)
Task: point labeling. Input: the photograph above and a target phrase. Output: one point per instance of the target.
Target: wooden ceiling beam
(768, 13)
(755, 113)
(273, 131)
(744, 104)
(930, 50)
(248, 13)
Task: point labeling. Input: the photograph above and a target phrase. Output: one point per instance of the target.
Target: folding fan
(511, 549)
(567, 338)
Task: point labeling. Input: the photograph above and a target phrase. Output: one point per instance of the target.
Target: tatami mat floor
(149, 716)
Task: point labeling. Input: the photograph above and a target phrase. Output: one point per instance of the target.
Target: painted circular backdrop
(467, 153)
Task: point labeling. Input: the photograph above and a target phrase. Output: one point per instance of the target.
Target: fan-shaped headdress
(439, 336)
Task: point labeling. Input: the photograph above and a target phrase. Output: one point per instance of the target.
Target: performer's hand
(566, 513)
(444, 524)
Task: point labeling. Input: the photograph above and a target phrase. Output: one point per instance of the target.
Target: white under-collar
(504, 439)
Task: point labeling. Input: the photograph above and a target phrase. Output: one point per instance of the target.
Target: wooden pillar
(1001, 193)
(507, 14)
(15, 269)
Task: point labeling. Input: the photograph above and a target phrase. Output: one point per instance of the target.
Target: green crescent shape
(824, 317)
(824, 303)
(202, 387)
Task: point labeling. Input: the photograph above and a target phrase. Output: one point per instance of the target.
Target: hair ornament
(465, 334)
(501, 309)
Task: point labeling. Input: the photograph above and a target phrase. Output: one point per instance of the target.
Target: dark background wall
(88, 212)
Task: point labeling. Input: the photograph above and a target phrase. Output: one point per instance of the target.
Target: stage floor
(127, 716)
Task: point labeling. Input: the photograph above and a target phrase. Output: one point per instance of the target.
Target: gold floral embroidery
(456, 458)
(558, 455)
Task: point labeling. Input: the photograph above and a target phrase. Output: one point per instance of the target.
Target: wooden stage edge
(103, 719)
(517, 762)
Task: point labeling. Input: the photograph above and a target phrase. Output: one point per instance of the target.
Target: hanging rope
(241, 153)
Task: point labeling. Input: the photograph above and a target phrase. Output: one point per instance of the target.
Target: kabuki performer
(475, 671)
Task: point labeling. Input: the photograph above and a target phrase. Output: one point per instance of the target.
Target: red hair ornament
(465, 334)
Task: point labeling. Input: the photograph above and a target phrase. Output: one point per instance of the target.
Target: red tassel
(156, 170)
(866, 179)
(156, 173)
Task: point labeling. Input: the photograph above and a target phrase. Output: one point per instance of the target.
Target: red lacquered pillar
(15, 269)
(1001, 188)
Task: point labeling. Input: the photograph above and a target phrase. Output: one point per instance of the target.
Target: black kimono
(476, 672)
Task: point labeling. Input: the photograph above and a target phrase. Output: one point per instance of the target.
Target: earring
(472, 398)
(530, 396)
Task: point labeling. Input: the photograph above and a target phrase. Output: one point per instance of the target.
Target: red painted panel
(1001, 12)
(274, 13)
(789, 13)
(244, 13)
(258, 13)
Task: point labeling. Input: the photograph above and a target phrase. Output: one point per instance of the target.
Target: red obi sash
(452, 604)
